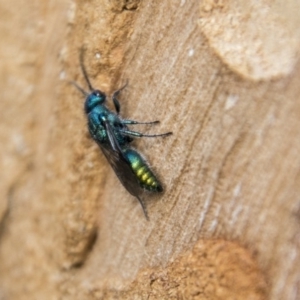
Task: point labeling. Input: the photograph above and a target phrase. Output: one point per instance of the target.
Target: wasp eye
(98, 93)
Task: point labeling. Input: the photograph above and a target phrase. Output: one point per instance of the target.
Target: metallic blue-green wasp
(113, 135)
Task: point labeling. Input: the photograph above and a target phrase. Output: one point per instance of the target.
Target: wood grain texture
(227, 226)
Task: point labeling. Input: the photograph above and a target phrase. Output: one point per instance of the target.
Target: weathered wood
(224, 77)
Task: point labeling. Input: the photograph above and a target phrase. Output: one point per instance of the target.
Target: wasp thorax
(93, 99)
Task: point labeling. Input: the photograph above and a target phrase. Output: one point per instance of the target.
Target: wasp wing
(121, 166)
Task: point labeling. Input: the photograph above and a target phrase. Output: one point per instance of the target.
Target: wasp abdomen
(145, 176)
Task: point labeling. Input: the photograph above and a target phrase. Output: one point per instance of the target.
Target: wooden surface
(224, 77)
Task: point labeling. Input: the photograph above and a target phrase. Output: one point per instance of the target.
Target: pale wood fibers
(227, 226)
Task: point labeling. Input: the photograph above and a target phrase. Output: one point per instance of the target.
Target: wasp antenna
(86, 77)
(125, 85)
(79, 88)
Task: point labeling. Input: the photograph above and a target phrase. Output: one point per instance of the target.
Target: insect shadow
(112, 134)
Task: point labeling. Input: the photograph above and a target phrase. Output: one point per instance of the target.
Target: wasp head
(95, 98)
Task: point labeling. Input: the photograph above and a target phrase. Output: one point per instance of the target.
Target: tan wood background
(224, 76)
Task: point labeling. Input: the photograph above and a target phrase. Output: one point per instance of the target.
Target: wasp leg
(138, 134)
(115, 99)
(131, 122)
(143, 207)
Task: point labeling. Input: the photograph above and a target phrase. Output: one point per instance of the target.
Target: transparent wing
(121, 166)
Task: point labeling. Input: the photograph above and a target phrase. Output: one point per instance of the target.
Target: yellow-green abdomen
(145, 176)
